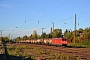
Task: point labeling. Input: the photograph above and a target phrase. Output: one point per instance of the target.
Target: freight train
(53, 41)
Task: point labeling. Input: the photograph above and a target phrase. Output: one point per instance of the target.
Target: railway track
(83, 53)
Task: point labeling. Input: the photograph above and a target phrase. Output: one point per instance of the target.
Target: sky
(22, 17)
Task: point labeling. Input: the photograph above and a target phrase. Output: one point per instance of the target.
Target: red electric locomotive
(59, 41)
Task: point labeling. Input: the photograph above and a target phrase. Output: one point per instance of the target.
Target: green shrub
(83, 43)
(32, 57)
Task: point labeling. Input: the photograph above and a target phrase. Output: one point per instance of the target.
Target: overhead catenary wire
(40, 11)
(72, 17)
(83, 16)
(71, 9)
(22, 24)
(55, 9)
(84, 12)
(43, 8)
(77, 14)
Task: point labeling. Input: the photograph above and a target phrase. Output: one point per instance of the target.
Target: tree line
(81, 34)
(56, 33)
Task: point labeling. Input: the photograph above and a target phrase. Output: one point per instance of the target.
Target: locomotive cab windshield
(64, 39)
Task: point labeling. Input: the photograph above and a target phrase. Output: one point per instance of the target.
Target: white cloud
(7, 6)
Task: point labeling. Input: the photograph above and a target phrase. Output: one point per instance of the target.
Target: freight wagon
(53, 41)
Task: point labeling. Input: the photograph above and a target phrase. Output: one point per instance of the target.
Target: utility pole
(42, 36)
(75, 28)
(42, 30)
(51, 30)
(1, 35)
(9, 36)
(53, 26)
